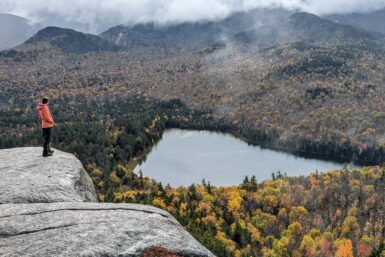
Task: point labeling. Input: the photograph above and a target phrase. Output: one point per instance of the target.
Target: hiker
(47, 124)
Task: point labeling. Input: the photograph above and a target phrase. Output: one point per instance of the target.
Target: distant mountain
(308, 27)
(262, 26)
(192, 35)
(258, 27)
(72, 41)
(184, 35)
(14, 30)
(372, 21)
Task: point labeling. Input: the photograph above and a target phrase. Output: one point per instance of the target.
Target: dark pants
(47, 139)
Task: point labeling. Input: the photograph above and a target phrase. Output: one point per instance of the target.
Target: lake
(183, 157)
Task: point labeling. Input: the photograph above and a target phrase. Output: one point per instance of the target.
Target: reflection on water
(185, 157)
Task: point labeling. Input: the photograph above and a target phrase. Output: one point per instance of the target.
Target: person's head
(45, 100)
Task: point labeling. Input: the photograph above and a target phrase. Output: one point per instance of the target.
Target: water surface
(183, 157)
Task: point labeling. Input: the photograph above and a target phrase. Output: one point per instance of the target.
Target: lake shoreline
(185, 157)
(138, 159)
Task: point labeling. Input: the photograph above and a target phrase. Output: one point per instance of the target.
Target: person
(47, 124)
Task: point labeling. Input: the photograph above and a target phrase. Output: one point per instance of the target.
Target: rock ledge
(91, 229)
(48, 208)
(27, 177)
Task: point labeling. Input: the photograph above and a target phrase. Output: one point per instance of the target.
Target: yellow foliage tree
(159, 202)
(345, 249)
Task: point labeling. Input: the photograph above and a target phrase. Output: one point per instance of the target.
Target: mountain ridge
(310, 28)
(296, 27)
(72, 41)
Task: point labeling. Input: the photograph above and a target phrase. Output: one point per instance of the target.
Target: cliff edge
(27, 177)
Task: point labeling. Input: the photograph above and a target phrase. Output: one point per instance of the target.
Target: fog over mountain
(15, 30)
(100, 15)
(373, 21)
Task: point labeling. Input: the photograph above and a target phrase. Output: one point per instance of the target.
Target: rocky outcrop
(77, 227)
(27, 177)
(90, 229)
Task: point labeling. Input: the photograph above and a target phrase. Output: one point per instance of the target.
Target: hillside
(299, 93)
(314, 90)
(338, 213)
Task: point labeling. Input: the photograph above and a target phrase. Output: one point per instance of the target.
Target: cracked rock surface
(27, 177)
(91, 229)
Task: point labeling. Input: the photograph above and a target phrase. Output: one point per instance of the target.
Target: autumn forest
(315, 91)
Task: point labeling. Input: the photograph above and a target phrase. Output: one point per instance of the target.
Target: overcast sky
(95, 15)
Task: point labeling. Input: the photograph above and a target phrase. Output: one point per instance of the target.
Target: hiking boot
(51, 151)
(47, 154)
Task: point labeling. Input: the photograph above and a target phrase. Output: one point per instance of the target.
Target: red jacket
(45, 116)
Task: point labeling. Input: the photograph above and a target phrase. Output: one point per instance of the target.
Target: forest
(300, 98)
(330, 214)
(315, 99)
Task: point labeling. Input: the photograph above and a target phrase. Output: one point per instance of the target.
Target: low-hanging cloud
(93, 15)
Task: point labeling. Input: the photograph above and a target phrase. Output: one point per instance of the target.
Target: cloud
(95, 15)
(342, 6)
